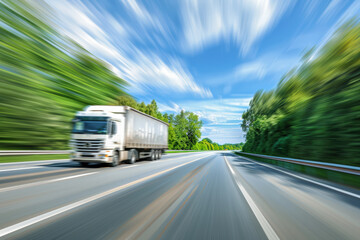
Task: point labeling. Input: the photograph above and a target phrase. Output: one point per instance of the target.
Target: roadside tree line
(314, 112)
(208, 144)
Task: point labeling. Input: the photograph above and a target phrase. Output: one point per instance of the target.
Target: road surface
(206, 195)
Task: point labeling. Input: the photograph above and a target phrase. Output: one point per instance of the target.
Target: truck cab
(111, 134)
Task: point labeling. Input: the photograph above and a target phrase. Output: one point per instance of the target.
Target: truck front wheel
(132, 155)
(115, 160)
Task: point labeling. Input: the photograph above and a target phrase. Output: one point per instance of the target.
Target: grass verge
(38, 157)
(333, 176)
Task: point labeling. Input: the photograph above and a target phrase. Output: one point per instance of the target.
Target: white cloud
(223, 135)
(118, 28)
(214, 112)
(143, 70)
(75, 21)
(166, 108)
(257, 69)
(147, 20)
(333, 6)
(172, 76)
(221, 117)
(267, 66)
(244, 21)
(139, 10)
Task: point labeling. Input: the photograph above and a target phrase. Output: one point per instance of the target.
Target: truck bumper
(93, 160)
(92, 157)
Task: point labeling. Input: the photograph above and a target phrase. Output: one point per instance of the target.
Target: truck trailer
(111, 134)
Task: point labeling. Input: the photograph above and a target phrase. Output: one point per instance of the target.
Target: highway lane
(182, 196)
(297, 207)
(39, 194)
(26, 172)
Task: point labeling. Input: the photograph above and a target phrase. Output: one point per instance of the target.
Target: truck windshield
(91, 127)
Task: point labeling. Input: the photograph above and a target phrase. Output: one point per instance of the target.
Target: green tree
(180, 128)
(126, 101)
(208, 140)
(193, 129)
(171, 136)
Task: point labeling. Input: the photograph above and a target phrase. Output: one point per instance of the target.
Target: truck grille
(88, 145)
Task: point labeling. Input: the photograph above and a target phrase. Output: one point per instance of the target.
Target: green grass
(333, 176)
(24, 158)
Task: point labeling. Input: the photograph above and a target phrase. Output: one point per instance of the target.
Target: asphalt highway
(206, 195)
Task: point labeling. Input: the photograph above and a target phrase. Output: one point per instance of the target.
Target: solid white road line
(42, 217)
(269, 231)
(34, 162)
(308, 180)
(130, 166)
(17, 169)
(43, 182)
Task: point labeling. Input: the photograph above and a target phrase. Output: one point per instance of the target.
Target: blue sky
(204, 56)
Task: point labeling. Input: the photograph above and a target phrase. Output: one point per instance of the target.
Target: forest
(314, 112)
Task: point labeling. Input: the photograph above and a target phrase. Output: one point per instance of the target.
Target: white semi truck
(111, 134)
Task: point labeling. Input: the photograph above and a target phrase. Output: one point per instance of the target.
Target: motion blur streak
(45, 78)
(197, 65)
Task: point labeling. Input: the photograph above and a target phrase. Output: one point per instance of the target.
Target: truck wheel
(152, 155)
(160, 154)
(132, 158)
(115, 160)
(84, 164)
(157, 154)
